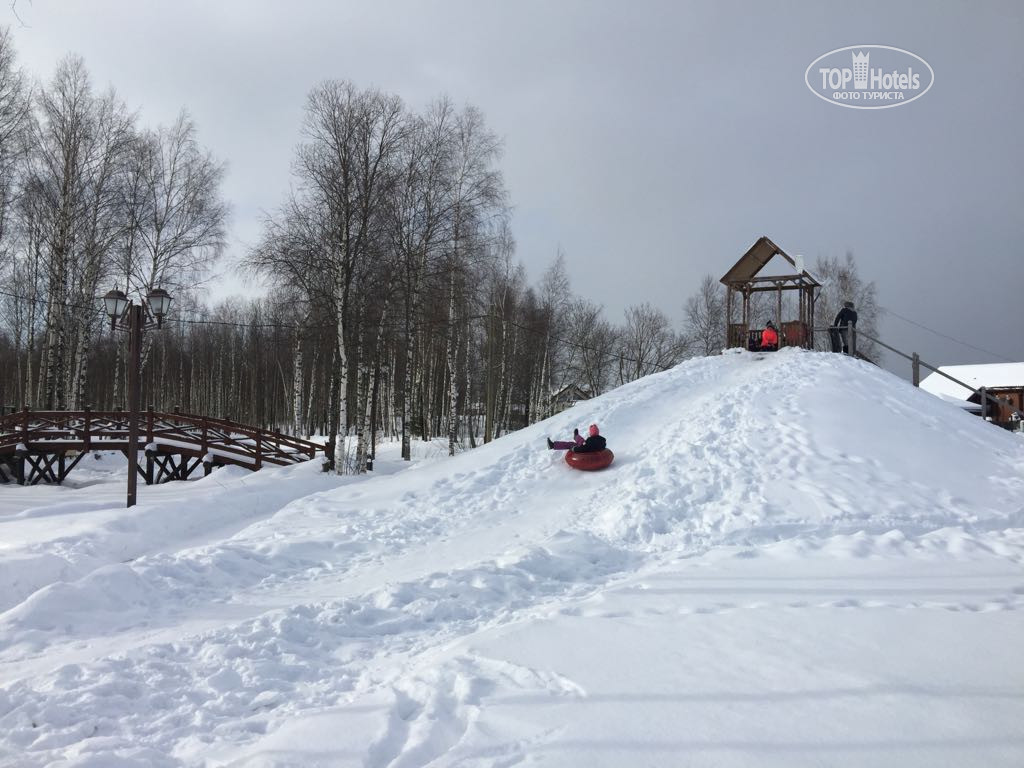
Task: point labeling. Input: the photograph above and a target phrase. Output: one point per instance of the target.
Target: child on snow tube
(595, 442)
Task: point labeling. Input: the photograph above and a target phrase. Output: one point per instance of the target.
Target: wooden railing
(986, 399)
(212, 440)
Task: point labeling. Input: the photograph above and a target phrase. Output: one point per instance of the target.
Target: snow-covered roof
(988, 375)
(965, 404)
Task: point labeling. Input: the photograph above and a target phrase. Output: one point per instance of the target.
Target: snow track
(288, 618)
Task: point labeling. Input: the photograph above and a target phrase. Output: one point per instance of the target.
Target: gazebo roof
(744, 272)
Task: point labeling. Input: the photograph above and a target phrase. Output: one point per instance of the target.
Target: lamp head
(115, 303)
(159, 302)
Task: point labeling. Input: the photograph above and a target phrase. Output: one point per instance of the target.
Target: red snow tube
(589, 461)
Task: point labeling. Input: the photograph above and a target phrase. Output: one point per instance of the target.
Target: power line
(946, 336)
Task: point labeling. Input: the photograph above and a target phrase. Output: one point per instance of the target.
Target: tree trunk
(408, 383)
(297, 384)
(53, 397)
(81, 366)
(341, 462)
(451, 353)
(311, 411)
(505, 399)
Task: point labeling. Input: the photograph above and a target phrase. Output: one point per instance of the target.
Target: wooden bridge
(44, 446)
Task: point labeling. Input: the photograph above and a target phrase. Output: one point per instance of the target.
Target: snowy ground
(796, 559)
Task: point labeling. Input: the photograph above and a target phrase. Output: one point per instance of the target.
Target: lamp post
(126, 315)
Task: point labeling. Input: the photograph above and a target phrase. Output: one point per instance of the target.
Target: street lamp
(126, 315)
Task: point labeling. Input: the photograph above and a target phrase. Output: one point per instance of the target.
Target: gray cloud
(653, 141)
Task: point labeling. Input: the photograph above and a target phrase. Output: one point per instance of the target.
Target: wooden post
(259, 450)
(810, 317)
(916, 368)
(800, 299)
(778, 311)
(984, 403)
(135, 320)
(728, 317)
(149, 440)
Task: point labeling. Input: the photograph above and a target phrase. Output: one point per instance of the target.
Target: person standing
(840, 330)
(769, 338)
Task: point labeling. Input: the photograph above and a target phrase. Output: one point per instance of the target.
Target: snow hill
(796, 559)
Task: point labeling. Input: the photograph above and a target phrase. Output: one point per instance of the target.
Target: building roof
(967, 405)
(990, 375)
(571, 392)
(754, 260)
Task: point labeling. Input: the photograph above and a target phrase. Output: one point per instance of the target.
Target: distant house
(567, 397)
(1004, 381)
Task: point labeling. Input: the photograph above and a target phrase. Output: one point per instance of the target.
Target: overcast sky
(653, 142)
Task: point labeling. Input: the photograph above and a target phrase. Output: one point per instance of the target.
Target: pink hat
(593, 430)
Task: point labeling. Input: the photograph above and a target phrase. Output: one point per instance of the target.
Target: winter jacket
(846, 317)
(769, 338)
(592, 444)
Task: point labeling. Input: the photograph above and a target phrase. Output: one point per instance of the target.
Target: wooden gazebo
(742, 282)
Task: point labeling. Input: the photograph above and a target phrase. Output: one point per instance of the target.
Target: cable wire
(946, 336)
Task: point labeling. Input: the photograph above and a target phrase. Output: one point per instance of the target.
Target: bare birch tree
(346, 165)
(180, 219)
(841, 282)
(59, 175)
(15, 122)
(419, 210)
(477, 197)
(592, 343)
(101, 225)
(647, 344)
(705, 317)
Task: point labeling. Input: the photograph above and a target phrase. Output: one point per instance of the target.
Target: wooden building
(1002, 381)
(744, 280)
(567, 397)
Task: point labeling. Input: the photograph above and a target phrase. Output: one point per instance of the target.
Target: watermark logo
(869, 77)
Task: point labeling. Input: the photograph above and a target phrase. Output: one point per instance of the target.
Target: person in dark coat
(840, 330)
(594, 442)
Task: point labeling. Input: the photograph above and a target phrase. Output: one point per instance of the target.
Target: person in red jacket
(769, 338)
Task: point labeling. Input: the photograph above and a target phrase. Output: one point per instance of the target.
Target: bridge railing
(98, 430)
